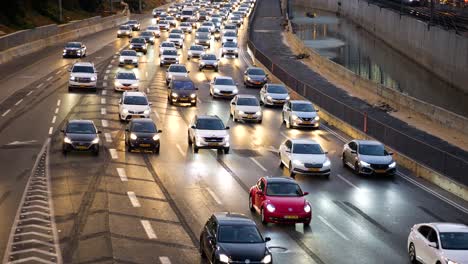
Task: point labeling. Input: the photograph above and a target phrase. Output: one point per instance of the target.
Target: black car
(134, 24)
(148, 36)
(255, 77)
(233, 238)
(139, 44)
(142, 133)
(74, 49)
(182, 90)
(80, 135)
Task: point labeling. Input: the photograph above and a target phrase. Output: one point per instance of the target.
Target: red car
(280, 200)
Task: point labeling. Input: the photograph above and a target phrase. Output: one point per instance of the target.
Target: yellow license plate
(380, 171)
(213, 144)
(81, 147)
(314, 169)
(249, 116)
(145, 145)
(291, 217)
(307, 122)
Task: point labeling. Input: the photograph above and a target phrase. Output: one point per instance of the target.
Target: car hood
(211, 133)
(287, 204)
(129, 57)
(72, 48)
(458, 256)
(225, 87)
(305, 114)
(169, 56)
(184, 92)
(241, 252)
(309, 158)
(376, 159)
(143, 134)
(196, 51)
(277, 96)
(81, 137)
(257, 77)
(126, 81)
(184, 74)
(248, 108)
(137, 108)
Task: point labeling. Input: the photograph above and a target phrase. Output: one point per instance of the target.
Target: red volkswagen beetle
(280, 200)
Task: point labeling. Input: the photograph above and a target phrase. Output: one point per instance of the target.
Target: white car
(235, 20)
(178, 31)
(208, 61)
(164, 25)
(186, 27)
(230, 27)
(274, 94)
(229, 36)
(176, 39)
(166, 45)
(125, 31)
(172, 21)
(195, 51)
(168, 57)
(82, 75)
(246, 107)
(441, 243)
(176, 70)
(126, 81)
(155, 30)
(223, 86)
(128, 57)
(134, 105)
(300, 113)
(202, 31)
(208, 132)
(230, 49)
(209, 25)
(304, 156)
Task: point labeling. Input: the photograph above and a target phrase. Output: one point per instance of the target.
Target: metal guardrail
(436, 159)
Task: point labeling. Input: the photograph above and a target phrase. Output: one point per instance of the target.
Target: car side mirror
(150, 103)
(287, 150)
(69, 69)
(353, 151)
(99, 132)
(193, 127)
(227, 128)
(62, 130)
(188, 71)
(196, 88)
(305, 193)
(267, 239)
(432, 244)
(390, 153)
(325, 152)
(233, 103)
(317, 110)
(159, 131)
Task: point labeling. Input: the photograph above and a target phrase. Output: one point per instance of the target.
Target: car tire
(202, 250)
(195, 148)
(129, 148)
(262, 215)
(308, 222)
(216, 69)
(343, 161)
(226, 150)
(252, 209)
(194, 104)
(281, 165)
(412, 254)
(356, 168)
(64, 150)
(291, 171)
(156, 150)
(260, 121)
(96, 152)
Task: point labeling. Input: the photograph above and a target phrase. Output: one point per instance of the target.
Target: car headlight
(223, 258)
(364, 164)
(294, 117)
(121, 59)
(135, 60)
(119, 32)
(131, 46)
(93, 79)
(269, 98)
(267, 259)
(117, 83)
(134, 85)
(298, 163)
(67, 140)
(450, 261)
(249, 78)
(174, 95)
(288, 97)
(156, 137)
(392, 165)
(241, 112)
(95, 141)
(125, 111)
(64, 51)
(327, 163)
(271, 208)
(198, 138)
(146, 112)
(235, 91)
(307, 208)
(258, 113)
(202, 63)
(317, 118)
(169, 75)
(72, 78)
(216, 90)
(133, 136)
(193, 95)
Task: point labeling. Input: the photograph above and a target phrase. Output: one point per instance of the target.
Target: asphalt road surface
(125, 207)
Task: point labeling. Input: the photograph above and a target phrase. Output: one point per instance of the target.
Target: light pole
(60, 10)
(139, 6)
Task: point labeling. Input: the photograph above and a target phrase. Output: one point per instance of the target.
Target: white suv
(134, 105)
(82, 75)
(208, 132)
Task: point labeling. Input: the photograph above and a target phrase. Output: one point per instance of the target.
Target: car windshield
(147, 34)
(307, 149)
(203, 36)
(277, 89)
(170, 52)
(85, 69)
(128, 53)
(73, 45)
(176, 36)
(284, 189)
(247, 101)
(210, 124)
(207, 24)
(230, 34)
(454, 240)
(168, 45)
(124, 27)
(135, 100)
(255, 72)
(143, 127)
(187, 12)
(138, 40)
(183, 85)
(81, 128)
(163, 22)
(372, 150)
(239, 234)
(185, 24)
(205, 30)
(230, 44)
(177, 31)
(152, 28)
(126, 76)
(224, 82)
(303, 108)
(174, 68)
(196, 48)
(209, 57)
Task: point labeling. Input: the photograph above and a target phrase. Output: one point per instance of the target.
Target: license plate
(81, 147)
(145, 145)
(82, 86)
(249, 116)
(380, 171)
(213, 144)
(314, 169)
(291, 217)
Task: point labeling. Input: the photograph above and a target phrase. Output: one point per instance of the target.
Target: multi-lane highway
(122, 207)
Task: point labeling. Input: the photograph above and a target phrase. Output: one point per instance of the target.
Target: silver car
(368, 157)
(195, 51)
(208, 61)
(300, 113)
(274, 94)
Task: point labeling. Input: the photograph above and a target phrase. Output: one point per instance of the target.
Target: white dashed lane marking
(164, 260)
(104, 123)
(213, 195)
(51, 130)
(19, 102)
(108, 137)
(113, 153)
(6, 112)
(54, 119)
(122, 174)
(39, 86)
(103, 111)
(103, 100)
(148, 229)
(258, 163)
(133, 199)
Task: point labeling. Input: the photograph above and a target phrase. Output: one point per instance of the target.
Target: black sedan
(80, 135)
(139, 44)
(74, 49)
(233, 238)
(255, 77)
(143, 134)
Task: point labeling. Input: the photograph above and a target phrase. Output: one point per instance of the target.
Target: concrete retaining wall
(394, 98)
(28, 41)
(440, 51)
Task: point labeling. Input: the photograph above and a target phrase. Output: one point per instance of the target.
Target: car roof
(134, 94)
(300, 102)
(283, 179)
(81, 121)
(227, 218)
(450, 227)
(303, 141)
(246, 96)
(368, 142)
(83, 64)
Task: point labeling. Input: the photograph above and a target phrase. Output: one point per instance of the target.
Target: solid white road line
(180, 150)
(6, 112)
(332, 228)
(59, 102)
(258, 163)
(133, 199)
(122, 174)
(148, 229)
(30, 92)
(348, 182)
(19, 102)
(108, 137)
(113, 153)
(54, 119)
(48, 79)
(39, 86)
(51, 130)
(56, 110)
(103, 111)
(104, 123)
(103, 100)
(164, 260)
(213, 195)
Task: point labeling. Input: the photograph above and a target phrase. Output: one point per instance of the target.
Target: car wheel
(193, 104)
(343, 161)
(195, 148)
(129, 148)
(282, 117)
(281, 165)
(189, 140)
(96, 152)
(156, 150)
(412, 254)
(291, 171)
(226, 150)
(251, 204)
(307, 223)
(202, 250)
(259, 121)
(356, 168)
(216, 69)
(264, 221)
(64, 150)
